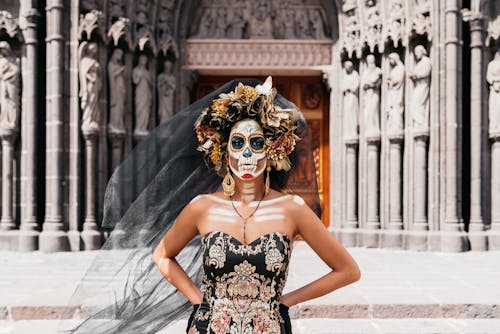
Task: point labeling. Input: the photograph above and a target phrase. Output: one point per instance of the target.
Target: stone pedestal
(350, 224)
(394, 238)
(371, 237)
(91, 236)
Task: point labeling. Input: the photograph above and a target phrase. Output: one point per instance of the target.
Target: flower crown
(278, 124)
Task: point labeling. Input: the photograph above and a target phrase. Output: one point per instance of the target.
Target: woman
(247, 230)
(162, 195)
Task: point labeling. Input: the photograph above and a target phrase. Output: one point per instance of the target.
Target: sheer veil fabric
(122, 290)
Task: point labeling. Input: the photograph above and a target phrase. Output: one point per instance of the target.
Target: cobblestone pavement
(399, 292)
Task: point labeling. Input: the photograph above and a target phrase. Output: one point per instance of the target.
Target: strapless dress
(242, 285)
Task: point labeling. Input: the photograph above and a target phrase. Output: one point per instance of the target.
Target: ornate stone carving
(120, 29)
(117, 92)
(351, 36)
(395, 95)
(144, 37)
(373, 32)
(116, 8)
(143, 82)
(87, 5)
(142, 11)
(493, 78)
(317, 23)
(262, 19)
(203, 52)
(421, 77)
(493, 30)
(10, 25)
(166, 89)
(90, 22)
(236, 23)
(90, 85)
(10, 73)
(394, 29)
(421, 20)
(371, 80)
(350, 90)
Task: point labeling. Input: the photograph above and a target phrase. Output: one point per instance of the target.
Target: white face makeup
(246, 148)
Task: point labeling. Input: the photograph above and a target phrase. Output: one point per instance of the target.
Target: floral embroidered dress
(242, 286)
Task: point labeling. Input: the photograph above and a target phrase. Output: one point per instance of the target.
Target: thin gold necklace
(245, 219)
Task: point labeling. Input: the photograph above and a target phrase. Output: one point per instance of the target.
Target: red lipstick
(247, 176)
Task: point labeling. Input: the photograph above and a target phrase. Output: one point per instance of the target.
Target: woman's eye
(237, 142)
(257, 143)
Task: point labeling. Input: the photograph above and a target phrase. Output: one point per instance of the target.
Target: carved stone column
(53, 236)
(393, 236)
(494, 232)
(477, 235)
(351, 193)
(7, 220)
(420, 226)
(91, 236)
(453, 237)
(371, 239)
(28, 234)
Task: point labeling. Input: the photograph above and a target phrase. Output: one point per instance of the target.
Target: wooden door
(310, 96)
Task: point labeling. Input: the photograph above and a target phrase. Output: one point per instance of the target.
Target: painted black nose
(247, 153)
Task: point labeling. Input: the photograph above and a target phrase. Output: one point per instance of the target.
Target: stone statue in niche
(206, 23)
(261, 21)
(237, 23)
(142, 11)
(90, 86)
(493, 78)
(115, 8)
(166, 89)
(318, 29)
(220, 23)
(117, 92)
(350, 89)
(372, 77)
(143, 82)
(289, 24)
(421, 77)
(9, 89)
(395, 94)
(303, 24)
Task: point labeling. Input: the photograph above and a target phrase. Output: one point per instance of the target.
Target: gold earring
(268, 180)
(228, 185)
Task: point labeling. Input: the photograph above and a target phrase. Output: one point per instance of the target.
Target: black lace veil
(122, 290)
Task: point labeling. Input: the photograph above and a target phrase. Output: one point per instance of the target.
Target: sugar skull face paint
(246, 149)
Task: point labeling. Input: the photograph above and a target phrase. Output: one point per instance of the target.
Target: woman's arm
(182, 231)
(344, 269)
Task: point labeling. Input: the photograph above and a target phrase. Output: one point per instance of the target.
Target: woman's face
(246, 149)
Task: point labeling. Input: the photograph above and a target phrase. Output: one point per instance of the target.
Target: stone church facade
(402, 98)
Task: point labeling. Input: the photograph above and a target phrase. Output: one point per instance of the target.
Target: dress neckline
(283, 235)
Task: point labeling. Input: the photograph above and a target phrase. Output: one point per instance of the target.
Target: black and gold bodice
(242, 285)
